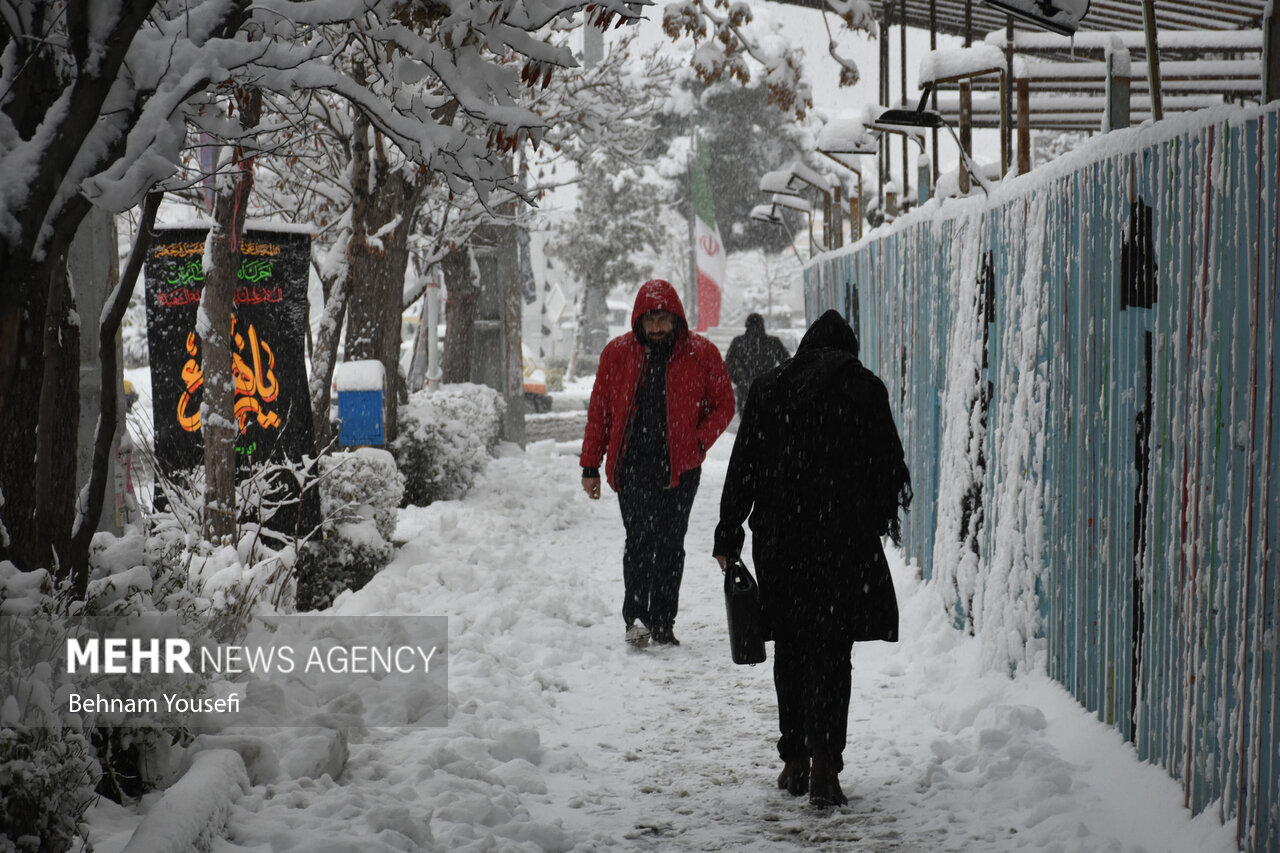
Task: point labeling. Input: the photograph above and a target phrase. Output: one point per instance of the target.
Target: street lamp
(844, 140)
(912, 122)
(1058, 16)
(769, 213)
(785, 185)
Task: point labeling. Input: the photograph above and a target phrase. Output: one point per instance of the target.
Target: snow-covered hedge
(446, 437)
(55, 762)
(47, 767)
(360, 494)
(362, 485)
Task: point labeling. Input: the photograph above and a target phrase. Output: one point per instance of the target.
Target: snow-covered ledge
(193, 811)
(949, 65)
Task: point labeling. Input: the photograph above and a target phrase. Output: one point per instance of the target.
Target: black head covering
(827, 352)
(755, 323)
(830, 330)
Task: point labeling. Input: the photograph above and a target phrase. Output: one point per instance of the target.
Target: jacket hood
(657, 295)
(755, 324)
(830, 331)
(826, 353)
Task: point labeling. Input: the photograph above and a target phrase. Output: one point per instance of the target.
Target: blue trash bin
(361, 392)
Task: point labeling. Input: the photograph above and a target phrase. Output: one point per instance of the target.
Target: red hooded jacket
(699, 392)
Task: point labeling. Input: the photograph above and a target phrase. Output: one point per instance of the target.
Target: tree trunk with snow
(37, 405)
(22, 337)
(215, 328)
(58, 431)
(325, 357)
(460, 315)
(383, 201)
(104, 435)
(217, 409)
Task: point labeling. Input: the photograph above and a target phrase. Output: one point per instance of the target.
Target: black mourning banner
(269, 323)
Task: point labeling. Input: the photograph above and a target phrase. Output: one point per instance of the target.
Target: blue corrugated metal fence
(1083, 368)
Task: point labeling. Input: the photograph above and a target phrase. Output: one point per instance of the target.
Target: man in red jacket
(662, 397)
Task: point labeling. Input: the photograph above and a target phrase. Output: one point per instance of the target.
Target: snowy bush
(243, 581)
(446, 437)
(362, 484)
(47, 767)
(347, 556)
(47, 778)
(133, 594)
(360, 494)
(236, 585)
(54, 762)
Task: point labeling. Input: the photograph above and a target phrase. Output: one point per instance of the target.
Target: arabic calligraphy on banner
(268, 326)
(255, 386)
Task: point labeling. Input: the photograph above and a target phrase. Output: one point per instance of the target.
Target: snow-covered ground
(563, 738)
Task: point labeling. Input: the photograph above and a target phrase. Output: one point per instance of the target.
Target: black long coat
(753, 352)
(819, 469)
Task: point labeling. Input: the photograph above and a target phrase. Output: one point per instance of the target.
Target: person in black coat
(750, 354)
(818, 468)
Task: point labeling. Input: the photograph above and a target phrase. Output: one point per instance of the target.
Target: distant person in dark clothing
(661, 398)
(818, 468)
(750, 354)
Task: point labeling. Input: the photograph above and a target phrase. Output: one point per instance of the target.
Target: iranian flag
(707, 248)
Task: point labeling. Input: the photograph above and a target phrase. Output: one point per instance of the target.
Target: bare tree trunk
(30, 254)
(383, 206)
(22, 328)
(325, 357)
(39, 404)
(512, 388)
(57, 434)
(460, 315)
(95, 490)
(213, 323)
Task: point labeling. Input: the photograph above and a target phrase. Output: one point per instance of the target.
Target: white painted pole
(433, 343)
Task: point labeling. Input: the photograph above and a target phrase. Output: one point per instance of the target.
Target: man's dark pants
(656, 519)
(813, 677)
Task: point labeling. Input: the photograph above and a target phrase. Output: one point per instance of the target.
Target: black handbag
(742, 604)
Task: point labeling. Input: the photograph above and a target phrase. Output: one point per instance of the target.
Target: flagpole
(691, 291)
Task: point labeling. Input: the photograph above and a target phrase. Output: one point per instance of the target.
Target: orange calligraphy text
(179, 250)
(253, 369)
(255, 386)
(192, 379)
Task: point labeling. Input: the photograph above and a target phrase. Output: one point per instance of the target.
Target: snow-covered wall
(1083, 370)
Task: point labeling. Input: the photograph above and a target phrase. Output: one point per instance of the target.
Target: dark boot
(663, 636)
(824, 782)
(794, 778)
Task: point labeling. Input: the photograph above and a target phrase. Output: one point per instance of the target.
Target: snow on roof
(250, 224)
(1208, 40)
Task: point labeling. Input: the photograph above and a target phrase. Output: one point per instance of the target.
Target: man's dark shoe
(794, 778)
(664, 637)
(824, 783)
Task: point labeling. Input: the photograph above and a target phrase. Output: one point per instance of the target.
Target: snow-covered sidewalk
(563, 738)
